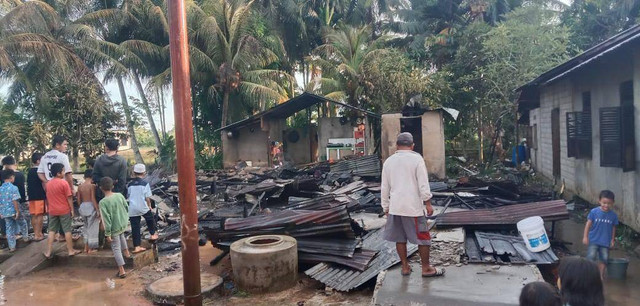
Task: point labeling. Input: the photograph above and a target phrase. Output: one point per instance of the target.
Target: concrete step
(105, 259)
(29, 258)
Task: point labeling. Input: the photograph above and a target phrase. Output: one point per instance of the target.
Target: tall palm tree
(221, 32)
(114, 25)
(342, 59)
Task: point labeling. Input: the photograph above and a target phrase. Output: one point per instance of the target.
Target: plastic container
(617, 268)
(534, 234)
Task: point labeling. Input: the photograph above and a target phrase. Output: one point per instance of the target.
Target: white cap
(139, 168)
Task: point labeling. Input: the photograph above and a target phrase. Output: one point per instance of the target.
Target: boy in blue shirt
(9, 206)
(600, 230)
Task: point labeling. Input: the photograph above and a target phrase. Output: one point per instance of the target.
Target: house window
(617, 132)
(579, 130)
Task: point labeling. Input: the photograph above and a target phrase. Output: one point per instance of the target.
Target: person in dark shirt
(36, 196)
(114, 166)
(9, 163)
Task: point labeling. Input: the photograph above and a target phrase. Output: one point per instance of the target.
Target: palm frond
(260, 94)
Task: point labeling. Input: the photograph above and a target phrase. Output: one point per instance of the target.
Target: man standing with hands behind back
(405, 195)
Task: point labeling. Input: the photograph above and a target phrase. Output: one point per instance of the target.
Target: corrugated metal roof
(511, 214)
(495, 247)
(338, 247)
(345, 279)
(290, 107)
(359, 261)
(288, 218)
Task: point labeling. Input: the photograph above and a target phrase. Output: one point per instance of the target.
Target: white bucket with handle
(534, 234)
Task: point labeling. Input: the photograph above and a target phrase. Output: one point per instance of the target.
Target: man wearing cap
(405, 195)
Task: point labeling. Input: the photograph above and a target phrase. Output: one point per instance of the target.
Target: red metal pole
(178, 44)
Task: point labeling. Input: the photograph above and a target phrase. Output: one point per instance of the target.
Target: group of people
(107, 204)
(406, 200)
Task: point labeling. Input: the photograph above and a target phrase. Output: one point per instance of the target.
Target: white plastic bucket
(534, 235)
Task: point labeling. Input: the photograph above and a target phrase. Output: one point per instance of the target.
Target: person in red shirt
(61, 212)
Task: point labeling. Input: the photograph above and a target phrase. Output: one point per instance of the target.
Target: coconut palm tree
(115, 24)
(342, 58)
(221, 31)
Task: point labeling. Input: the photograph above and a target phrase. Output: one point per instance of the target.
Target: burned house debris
(333, 211)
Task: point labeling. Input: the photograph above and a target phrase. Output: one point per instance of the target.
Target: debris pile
(334, 212)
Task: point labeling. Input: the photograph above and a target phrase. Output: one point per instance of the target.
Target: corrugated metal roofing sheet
(495, 247)
(359, 261)
(345, 279)
(290, 107)
(511, 214)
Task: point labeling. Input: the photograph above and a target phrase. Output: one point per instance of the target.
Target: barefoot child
(600, 231)
(9, 207)
(90, 212)
(61, 211)
(140, 206)
(113, 208)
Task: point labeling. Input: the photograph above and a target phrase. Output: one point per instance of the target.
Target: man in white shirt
(405, 195)
(56, 156)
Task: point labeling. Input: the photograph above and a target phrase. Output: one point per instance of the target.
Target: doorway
(413, 125)
(555, 140)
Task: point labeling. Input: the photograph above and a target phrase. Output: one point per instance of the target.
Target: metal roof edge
(281, 105)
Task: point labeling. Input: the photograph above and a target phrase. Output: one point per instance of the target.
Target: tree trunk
(127, 115)
(147, 109)
(163, 119)
(75, 154)
(480, 135)
(225, 108)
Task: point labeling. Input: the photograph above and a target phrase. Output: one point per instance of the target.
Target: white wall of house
(586, 177)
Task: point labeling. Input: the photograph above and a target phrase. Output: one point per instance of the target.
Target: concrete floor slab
(468, 285)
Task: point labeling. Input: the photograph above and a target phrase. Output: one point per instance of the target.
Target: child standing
(600, 230)
(8, 162)
(9, 206)
(140, 206)
(61, 211)
(90, 212)
(36, 196)
(113, 208)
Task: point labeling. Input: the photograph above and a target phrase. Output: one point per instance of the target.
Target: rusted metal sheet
(498, 248)
(511, 214)
(345, 279)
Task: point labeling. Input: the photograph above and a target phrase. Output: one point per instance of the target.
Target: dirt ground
(87, 286)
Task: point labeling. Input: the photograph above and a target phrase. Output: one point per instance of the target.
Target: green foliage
(80, 111)
(392, 79)
(167, 153)
(592, 21)
(144, 137)
(470, 55)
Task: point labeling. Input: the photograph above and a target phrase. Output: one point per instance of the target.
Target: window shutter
(610, 137)
(628, 138)
(572, 134)
(583, 124)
